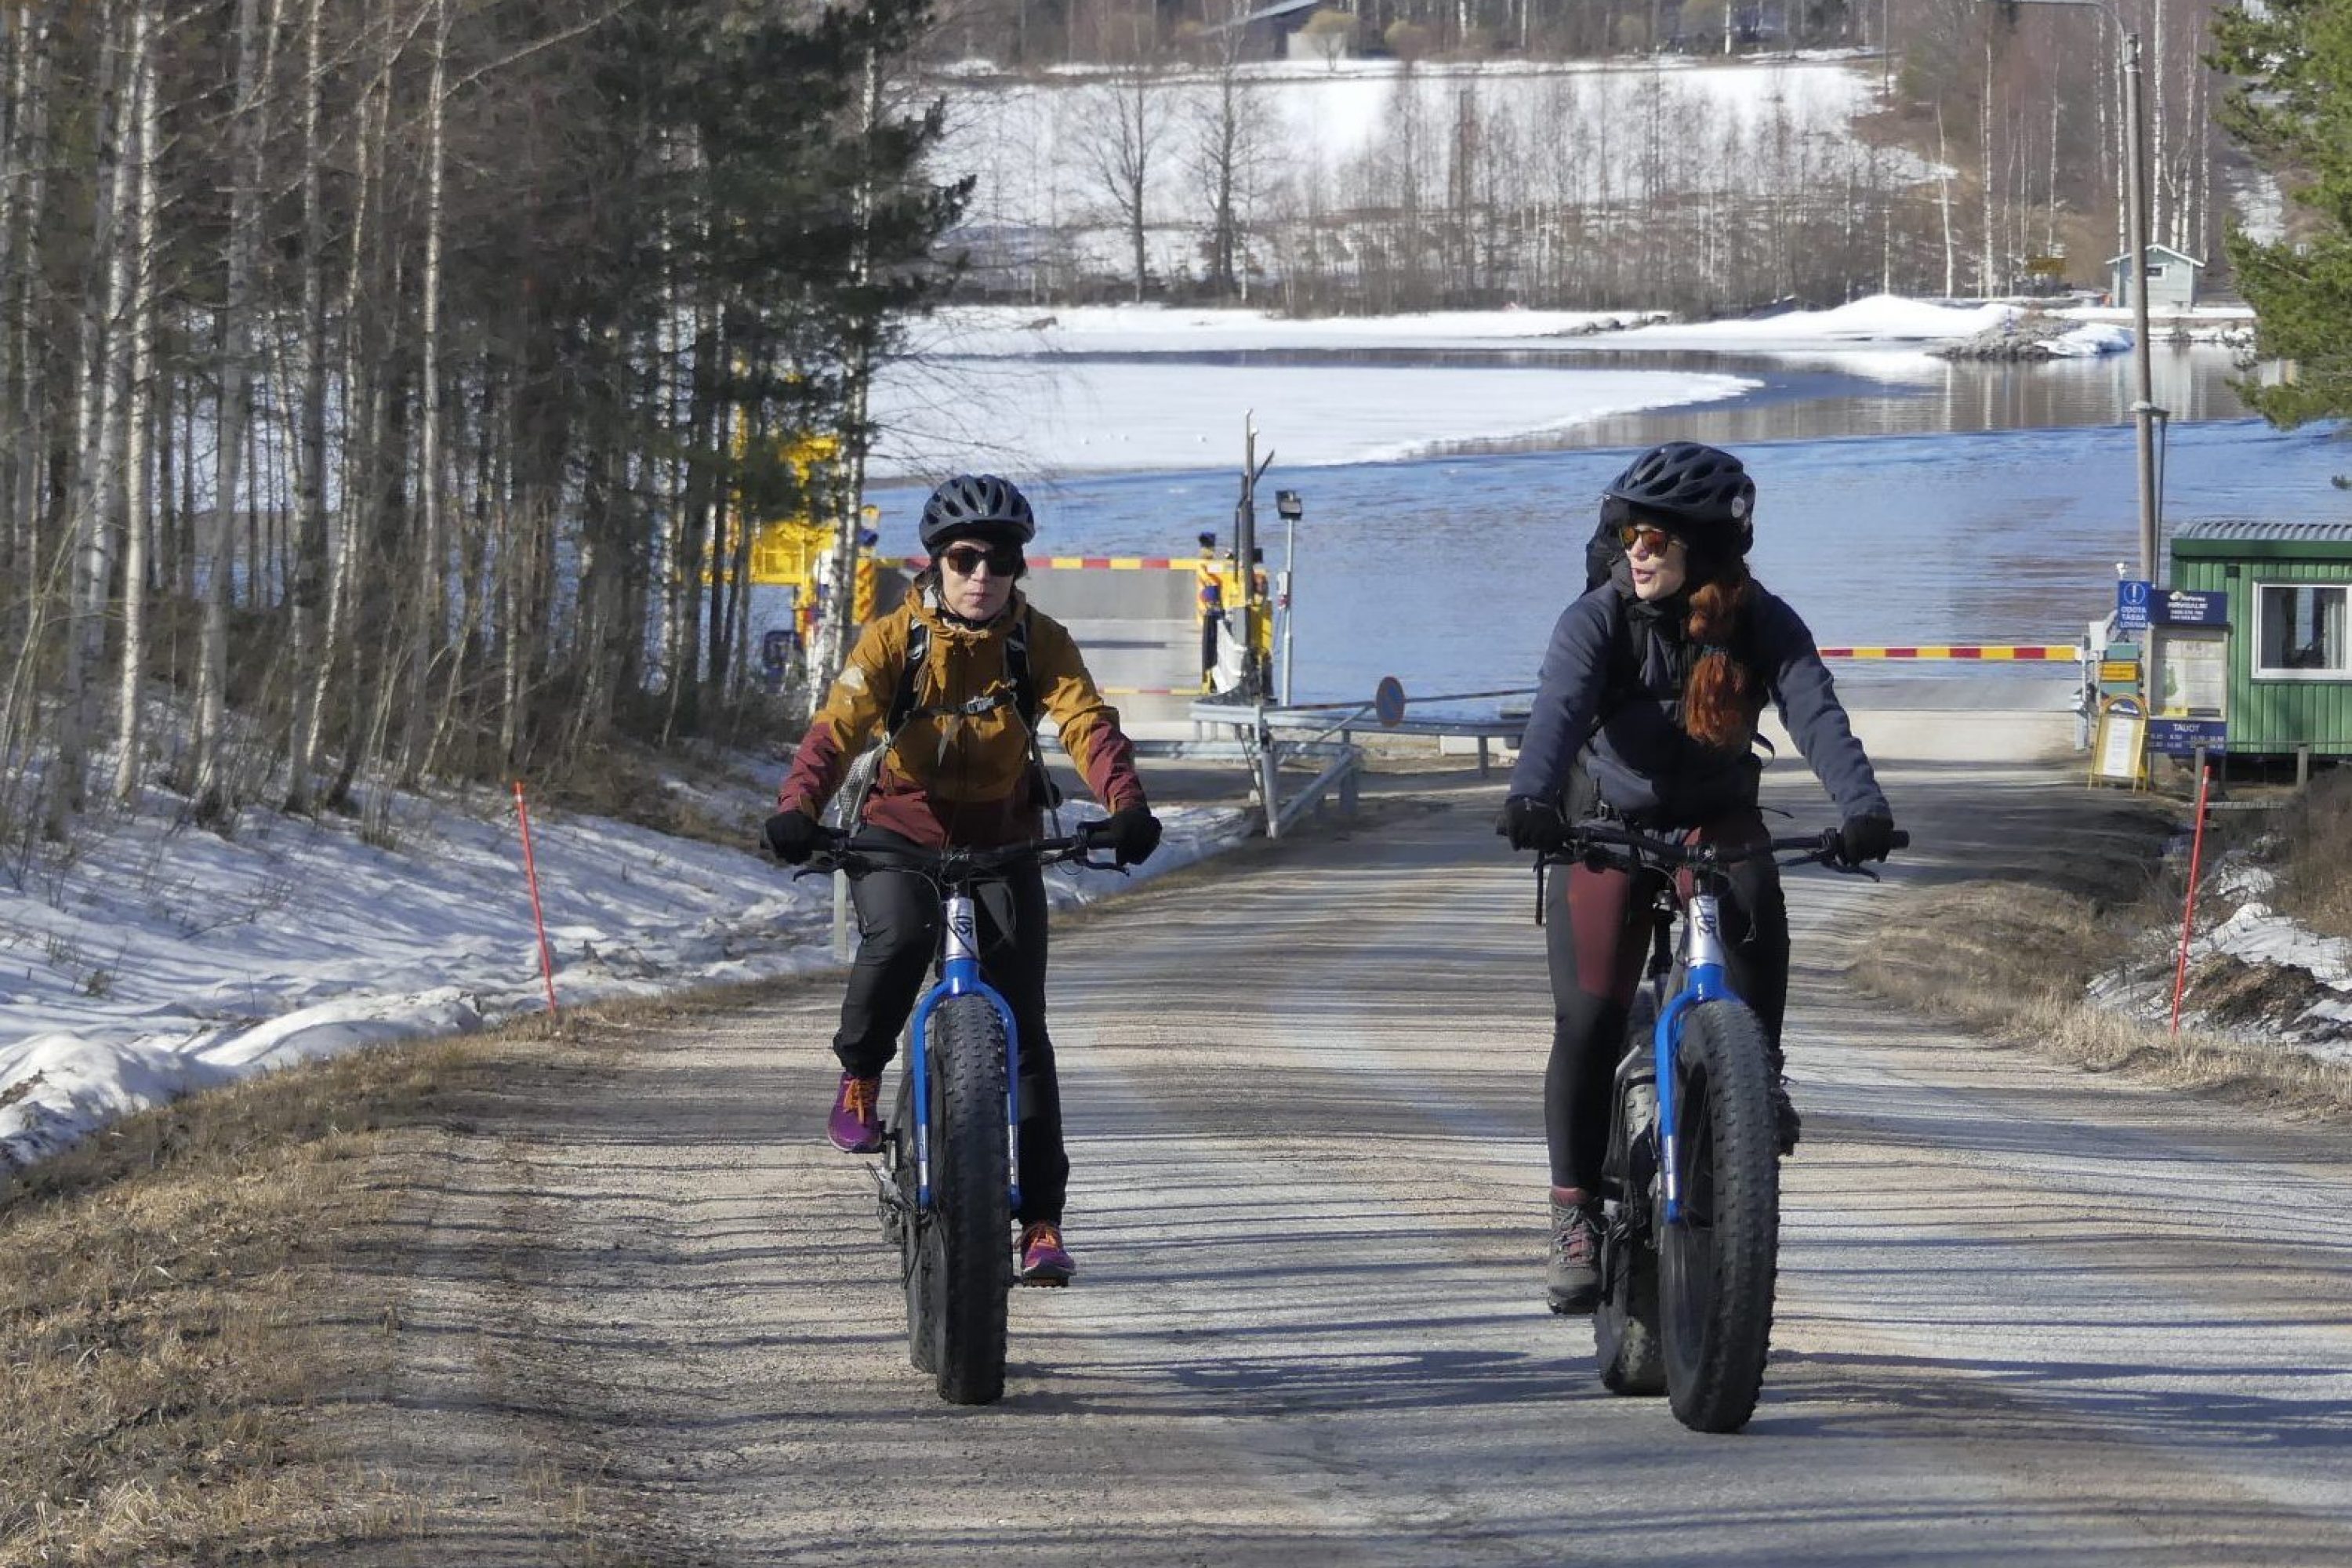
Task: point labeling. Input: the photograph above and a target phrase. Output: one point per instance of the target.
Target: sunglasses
(964, 559)
(1652, 541)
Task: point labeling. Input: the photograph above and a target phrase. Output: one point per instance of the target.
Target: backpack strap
(910, 676)
(1017, 670)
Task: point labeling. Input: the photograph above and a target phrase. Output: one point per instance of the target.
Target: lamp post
(1292, 509)
(2143, 408)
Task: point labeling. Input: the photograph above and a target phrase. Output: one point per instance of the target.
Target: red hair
(1721, 700)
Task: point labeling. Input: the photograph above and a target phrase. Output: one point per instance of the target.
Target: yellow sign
(2118, 671)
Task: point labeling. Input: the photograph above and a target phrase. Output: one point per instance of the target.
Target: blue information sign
(2183, 609)
(2131, 604)
(2182, 737)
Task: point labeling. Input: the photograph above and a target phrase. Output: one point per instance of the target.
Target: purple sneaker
(856, 1125)
(1043, 1259)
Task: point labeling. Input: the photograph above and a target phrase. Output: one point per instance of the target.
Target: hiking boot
(1786, 1125)
(1043, 1259)
(856, 1124)
(1572, 1283)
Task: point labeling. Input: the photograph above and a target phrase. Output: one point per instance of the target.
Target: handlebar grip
(1902, 839)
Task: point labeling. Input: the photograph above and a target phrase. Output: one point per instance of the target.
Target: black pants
(1597, 938)
(898, 931)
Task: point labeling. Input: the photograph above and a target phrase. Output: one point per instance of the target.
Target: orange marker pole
(531, 873)
(2189, 913)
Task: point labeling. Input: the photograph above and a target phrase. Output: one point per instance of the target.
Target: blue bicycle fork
(961, 976)
(1702, 963)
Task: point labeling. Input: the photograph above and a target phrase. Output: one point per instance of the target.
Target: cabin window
(2300, 631)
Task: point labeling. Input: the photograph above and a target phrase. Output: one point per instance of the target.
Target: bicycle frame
(1701, 952)
(1698, 947)
(960, 975)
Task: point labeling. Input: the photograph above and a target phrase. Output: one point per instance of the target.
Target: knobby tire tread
(974, 1207)
(1713, 1384)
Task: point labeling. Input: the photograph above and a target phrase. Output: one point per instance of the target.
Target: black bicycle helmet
(1702, 487)
(981, 504)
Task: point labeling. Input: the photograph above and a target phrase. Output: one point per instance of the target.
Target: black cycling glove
(1870, 837)
(1532, 824)
(1130, 835)
(791, 837)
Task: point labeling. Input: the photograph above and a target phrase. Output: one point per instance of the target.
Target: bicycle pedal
(1045, 1282)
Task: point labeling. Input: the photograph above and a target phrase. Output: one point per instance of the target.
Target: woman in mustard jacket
(959, 770)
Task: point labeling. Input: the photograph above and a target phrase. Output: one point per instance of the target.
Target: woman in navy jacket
(1646, 713)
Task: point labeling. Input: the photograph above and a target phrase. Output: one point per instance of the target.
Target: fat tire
(1717, 1263)
(1625, 1335)
(970, 1199)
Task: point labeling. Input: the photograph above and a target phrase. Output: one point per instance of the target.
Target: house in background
(2171, 279)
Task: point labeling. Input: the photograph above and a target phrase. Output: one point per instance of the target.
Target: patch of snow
(150, 960)
(2256, 935)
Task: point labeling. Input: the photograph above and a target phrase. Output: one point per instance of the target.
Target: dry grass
(2315, 832)
(2011, 958)
(170, 1316)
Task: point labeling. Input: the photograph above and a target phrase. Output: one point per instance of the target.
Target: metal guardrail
(1338, 764)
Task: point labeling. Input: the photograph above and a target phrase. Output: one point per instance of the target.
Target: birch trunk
(140, 414)
(96, 441)
(1984, 169)
(430, 622)
(209, 786)
(31, 140)
(309, 580)
(345, 532)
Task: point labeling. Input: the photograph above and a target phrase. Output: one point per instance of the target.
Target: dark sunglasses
(1655, 540)
(964, 559)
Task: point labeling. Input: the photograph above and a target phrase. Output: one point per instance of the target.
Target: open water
(1959, 503)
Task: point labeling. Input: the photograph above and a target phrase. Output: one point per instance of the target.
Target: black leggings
(898, 933)
(1597, 938)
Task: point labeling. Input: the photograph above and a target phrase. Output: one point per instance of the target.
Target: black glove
(1130, 835)
(1532, 824)
(791, 836)
(1866, 837)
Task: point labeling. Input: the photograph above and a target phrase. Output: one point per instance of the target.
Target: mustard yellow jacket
(952, 777)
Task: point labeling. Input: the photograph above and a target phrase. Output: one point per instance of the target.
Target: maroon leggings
(1597, 937)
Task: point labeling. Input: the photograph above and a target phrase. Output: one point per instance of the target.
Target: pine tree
(2291, 108)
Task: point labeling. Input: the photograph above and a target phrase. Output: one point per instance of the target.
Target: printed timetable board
(2120, 749)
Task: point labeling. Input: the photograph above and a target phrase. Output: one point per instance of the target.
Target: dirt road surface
(2026, 1315)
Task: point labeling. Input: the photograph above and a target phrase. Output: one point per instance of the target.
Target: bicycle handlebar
(834, 853)
(1668, 854)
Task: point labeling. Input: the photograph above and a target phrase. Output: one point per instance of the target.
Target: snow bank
(155, 960)
(1000, 330)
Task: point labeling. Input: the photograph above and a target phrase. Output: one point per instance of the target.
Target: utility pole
(2144, 409)
(2145, 412)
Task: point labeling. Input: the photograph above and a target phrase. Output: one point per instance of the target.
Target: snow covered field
(155, 959)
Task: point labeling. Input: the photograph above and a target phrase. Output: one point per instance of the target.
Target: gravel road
(2026, 1316)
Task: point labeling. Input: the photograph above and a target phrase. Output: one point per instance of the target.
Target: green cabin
(2286, 662)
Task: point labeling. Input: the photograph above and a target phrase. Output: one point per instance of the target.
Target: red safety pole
(2189, 913)
(531, 873)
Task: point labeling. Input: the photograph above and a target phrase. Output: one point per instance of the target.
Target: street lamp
(1291, 508)
(2144, 409)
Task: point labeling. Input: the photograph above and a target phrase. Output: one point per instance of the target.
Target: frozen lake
(1900, 500)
